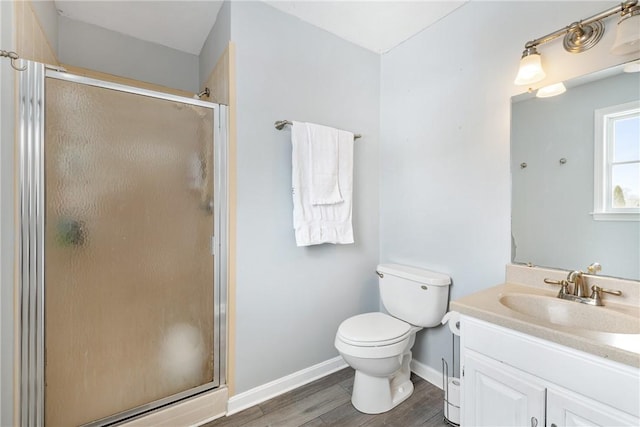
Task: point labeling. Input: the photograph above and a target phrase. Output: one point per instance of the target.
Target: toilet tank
(417, 296)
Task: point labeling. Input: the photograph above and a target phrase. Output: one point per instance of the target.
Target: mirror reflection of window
(617, 162)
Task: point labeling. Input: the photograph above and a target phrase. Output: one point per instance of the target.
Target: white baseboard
(427, 373)
(272, 389)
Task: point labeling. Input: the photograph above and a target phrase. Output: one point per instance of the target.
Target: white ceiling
(184, 25)
(375, 25)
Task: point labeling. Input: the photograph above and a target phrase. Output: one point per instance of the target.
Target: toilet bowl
(378, 345)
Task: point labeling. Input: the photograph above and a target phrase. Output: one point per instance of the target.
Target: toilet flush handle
(380, 274)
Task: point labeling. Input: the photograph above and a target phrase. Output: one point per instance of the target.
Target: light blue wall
(445, 107)
(445, 150)
(291, 300)
(215, 44)
(552, 224)
(89, 46)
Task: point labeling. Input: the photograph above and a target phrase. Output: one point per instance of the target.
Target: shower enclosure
(122, 231)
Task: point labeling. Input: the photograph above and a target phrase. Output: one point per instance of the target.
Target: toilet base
(375, 395)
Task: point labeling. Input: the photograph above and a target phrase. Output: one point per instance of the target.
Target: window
(617, 163)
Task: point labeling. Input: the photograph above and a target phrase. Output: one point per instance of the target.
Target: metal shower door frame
(30, 240)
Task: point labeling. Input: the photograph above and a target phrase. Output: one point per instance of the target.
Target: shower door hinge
(214, 245)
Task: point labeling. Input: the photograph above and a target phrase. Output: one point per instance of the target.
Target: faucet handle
(596, 288)
(563, 283)
(595, 294)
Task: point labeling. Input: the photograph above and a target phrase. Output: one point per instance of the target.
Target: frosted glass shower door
(128, 271)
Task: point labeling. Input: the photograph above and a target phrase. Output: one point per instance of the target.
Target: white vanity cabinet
(514, 379)
(498, 395)
(565, 408)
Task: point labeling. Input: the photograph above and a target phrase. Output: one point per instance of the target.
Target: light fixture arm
(578, 26)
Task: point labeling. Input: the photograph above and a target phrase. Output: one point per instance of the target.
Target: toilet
(378, 345)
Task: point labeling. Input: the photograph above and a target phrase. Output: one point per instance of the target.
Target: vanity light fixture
(583, 35)
(628, 34)
(551, 90)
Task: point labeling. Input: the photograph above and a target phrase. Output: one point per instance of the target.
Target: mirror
(552, 172)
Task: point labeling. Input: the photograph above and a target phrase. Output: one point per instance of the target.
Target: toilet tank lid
(416, 274)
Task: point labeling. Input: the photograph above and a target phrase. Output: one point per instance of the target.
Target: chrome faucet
(579, 293)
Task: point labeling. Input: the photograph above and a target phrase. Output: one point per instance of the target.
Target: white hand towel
(317, 224)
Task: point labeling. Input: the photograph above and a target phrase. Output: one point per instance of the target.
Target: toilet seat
(373, 336)
(373, 330)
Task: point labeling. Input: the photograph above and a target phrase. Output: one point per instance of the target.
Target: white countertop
(485, 305)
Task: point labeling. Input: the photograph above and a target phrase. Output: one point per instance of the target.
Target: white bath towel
(323, 164)
(316, 223)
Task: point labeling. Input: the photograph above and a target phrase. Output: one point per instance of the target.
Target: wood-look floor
(327, 402)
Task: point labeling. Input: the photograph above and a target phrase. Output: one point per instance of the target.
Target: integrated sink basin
(611, 331)
(571, 314)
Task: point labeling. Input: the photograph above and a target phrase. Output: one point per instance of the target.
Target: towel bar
(280, 124)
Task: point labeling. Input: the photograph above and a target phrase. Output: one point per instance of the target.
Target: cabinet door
(568, 409)
(496, 394)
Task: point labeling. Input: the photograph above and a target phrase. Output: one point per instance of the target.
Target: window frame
(603, 161)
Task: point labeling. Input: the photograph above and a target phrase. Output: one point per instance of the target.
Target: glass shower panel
(129, 284)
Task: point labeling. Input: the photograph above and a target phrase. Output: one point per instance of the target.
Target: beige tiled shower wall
(31, 41)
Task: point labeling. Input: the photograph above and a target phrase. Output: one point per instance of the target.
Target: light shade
(632, 67)
(530, 68)
(551, 90)
(628, 33)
